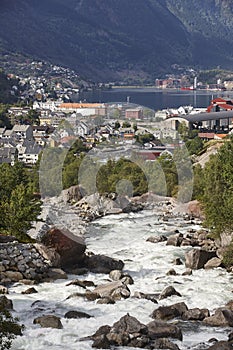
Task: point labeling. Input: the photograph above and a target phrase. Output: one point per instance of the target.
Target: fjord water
(124, 237)
(154, 98)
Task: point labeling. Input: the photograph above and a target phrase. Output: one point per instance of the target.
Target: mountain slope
(113, 39)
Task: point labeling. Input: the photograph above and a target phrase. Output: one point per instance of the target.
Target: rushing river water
(124, 237)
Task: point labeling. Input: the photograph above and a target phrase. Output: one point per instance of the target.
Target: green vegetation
(121, 176)
(228, 256)
(4, 120)
(5, 89)
(18, 206)
(9, 329)
(213, 185)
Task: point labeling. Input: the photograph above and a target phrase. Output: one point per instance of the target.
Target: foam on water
(124, 237)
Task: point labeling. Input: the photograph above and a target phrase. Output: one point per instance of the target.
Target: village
(55, 123)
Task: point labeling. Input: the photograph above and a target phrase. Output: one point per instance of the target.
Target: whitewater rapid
(124, 237)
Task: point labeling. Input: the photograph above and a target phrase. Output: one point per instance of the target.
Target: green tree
(218, 189)
(18, 212)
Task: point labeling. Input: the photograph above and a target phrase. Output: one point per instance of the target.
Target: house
(22, 132)
(134, 113)
(8, 153)
(28, 152)
(82, 129)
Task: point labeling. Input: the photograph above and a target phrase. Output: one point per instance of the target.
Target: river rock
(156, 239)
(13, 276)
(130, 325)
(114, 290)
(115, 275)
(169, 291)
(160, 329)
(3, 290)
(49, 254)
(169, 312)
(178, 261)
(103, 264)
(164, 343)
(221, 318)
(213, 263)
(31, 290)
(195, 314)
(73, 194)
(152, 297)
(175, 240)
(106, 300)
(48, 321)
(77, 314)
(5, 303)
(194, 209)
(222, 345)
(197, 258)
(71, 248)
(56, 274)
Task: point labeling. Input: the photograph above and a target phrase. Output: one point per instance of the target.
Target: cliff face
(111, 39)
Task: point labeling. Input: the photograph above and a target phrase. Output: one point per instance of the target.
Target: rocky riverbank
(63, 252)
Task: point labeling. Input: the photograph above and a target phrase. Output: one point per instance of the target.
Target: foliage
(5, 89)
(218, 189)
(4, 120)
(194, 145)
(228, 256)
(144, 138)
(9, 329)
(121, 176)
(18, 206)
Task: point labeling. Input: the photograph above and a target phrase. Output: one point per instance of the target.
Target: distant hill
(112, 39)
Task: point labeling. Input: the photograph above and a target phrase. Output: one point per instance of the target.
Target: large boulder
(197, 258)
(213, 263)
(164, 343)
(48, 321)
(73, 194)
(194, 209)
(115, 290)
(169, 312)
(195, 314)
(160, 329)
(5, 303)
(48, 254)
(71, 248)
(221, 318)
(103, 264)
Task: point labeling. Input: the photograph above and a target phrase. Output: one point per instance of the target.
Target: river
(124, 237)
(154, 98)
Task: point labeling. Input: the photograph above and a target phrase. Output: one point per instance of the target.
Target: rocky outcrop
(21, 261)
(128, 331)
(197, 258)
(70, 248)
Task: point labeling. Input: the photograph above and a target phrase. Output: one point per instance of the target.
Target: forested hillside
(114, 39)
